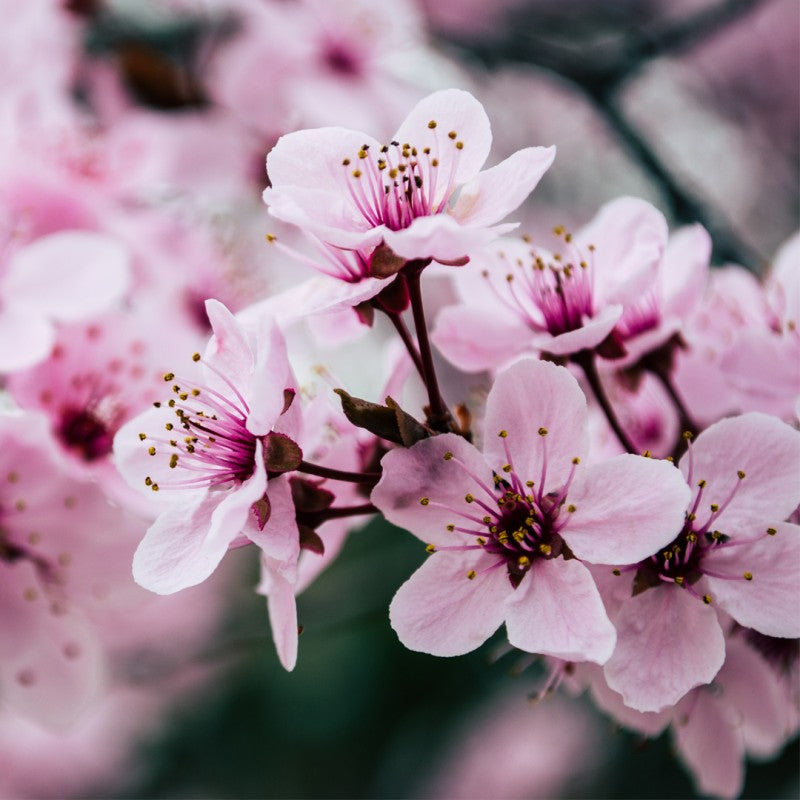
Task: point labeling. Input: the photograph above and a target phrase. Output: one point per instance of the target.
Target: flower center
(401, 182)
(208, 441)
(521, 523)
(85, 432)
(554, 295)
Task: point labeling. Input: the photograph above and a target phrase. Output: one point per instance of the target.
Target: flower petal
(626, 509)
(527, 396)
(557, 611)
(421, 472)
(440, 237)
(26, 338)
(498, 191)
(475, 340)
(770, 602)
(453, 110)
(767, 451)
(440, 611)
(282, 610)
(69, 275)
(668, 642)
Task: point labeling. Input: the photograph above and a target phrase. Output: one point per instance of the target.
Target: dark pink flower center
(521, 522)
(86, 433)
(208, 442)
(400, 182)
(554, 295)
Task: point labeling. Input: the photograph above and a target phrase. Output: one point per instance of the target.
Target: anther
(542, 431)
(771, 531)
(431, 548)
(523, 561)
(151, 450)
(451, 527)
(447, 456)
(196, 357)
(424, 501)
(142, 437)
(169, 376)
(616, 572)
(452, 135)
(432, 124)
(576, 460)
(503, 434)
(471, 574)
(571, 508)
(707, 599)
(545, 549)
(469, 498)
(748, 576)
(741, 475)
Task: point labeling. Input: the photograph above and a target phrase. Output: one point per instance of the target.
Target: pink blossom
(65, 560)
(508, 527)
(744, 711)
(522, 298)
(208, 449)
(423, 194)
(734, 551)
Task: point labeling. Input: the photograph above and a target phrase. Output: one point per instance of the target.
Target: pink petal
(26, 338)
(439, 237)
(282, 610)
(54, 679)
(557, 611)
(753, 688)
(188, 540)
(69, 275)
(710, 745)
(770, 602)
(498, 191)
(668, 642)
(452, 110)
(527, 396)
(230, 350)
(314, 158)
(684, 271)
(588, 336)
(411, 474)
(272, 374)
(474, 340)
(314, 296)
(626, 509)
(279, 540)
(440, 611)
(630, 236)
(767, 451)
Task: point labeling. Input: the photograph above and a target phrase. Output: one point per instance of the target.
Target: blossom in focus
(734, 551)
(508, 528)
(206, 445)
(423, 194)
(617, 277)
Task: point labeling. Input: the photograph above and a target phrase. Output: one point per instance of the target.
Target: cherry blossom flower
(206, 443)
(744, 711)
(508, 527)
(733, 551)
(519, 298)
(423, 194)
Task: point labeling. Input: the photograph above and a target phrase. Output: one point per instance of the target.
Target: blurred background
(161, 113)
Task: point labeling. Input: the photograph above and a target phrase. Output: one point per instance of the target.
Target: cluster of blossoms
(586, 505)
(615, 476)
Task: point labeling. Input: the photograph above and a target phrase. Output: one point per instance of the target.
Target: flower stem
(439, 418)
(686, 421)
(349, 511)
(585, 359)
(402, 330)
(338, 474)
